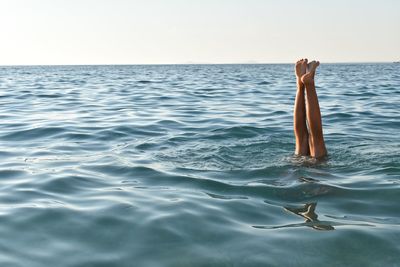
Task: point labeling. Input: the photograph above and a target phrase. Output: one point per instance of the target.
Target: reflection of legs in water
(308, 213)
(308, 110)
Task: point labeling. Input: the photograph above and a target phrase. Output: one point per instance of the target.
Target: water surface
(192, 165)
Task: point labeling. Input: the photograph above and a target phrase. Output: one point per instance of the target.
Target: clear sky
(197, 31)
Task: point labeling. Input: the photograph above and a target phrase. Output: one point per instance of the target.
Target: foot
(309, 76)
(300, 68)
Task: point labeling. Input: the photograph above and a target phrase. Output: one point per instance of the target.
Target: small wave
(49, 95)
(144, 81)
(127, 131)
(236, 132)
(264, 83)
(71, 185)
(76, 136)
(34, 133)
(216, 196)
(4, 174)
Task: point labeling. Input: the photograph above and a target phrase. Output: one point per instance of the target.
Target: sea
(194, 165)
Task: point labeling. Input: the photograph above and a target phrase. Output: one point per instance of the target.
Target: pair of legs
(307, 115)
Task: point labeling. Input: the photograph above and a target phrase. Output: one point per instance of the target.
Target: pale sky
(197, 31)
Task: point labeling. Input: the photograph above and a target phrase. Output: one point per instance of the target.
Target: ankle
(300, 86)
(307, 79)
(299, 81)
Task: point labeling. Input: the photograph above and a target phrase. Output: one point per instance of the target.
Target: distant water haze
(207, 31)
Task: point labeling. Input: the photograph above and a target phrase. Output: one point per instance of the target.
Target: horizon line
(193, 63)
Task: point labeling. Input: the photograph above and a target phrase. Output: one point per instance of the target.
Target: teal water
(193, 166)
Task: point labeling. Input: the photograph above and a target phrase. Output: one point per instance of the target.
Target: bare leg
(299, 114)
(316, 137)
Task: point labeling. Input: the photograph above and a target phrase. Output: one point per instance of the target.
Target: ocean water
(192, 165)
